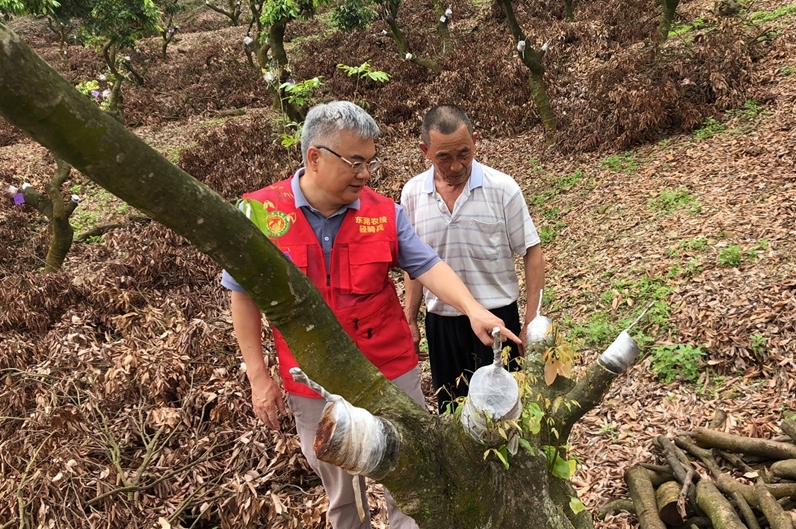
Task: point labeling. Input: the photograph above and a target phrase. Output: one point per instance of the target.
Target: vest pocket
(370, 265)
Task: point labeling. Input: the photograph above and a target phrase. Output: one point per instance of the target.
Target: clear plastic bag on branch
(538, 334)
(350, 437)
(494, 396)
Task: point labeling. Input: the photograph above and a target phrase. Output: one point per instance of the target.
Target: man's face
(451, 154)
(335, 178)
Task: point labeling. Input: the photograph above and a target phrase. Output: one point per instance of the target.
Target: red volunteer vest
(358, 288)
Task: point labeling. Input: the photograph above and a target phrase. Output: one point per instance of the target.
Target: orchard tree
(232, 10)
(56, 208)
(169, 30)
(534, 61)
(61, 16)
(437, 470)
(116, 25)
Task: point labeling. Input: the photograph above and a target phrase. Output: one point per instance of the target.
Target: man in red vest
(345, 237)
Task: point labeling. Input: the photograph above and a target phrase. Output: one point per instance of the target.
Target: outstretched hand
(484, 321)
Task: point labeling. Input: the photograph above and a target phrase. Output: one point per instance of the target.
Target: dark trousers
(455, 352)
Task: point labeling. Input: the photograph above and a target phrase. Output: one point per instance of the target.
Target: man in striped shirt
(476, 219)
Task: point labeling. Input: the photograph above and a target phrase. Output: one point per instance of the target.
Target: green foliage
(678, 28)
(123, 21)
(730, 256)
(620, 162)
(761, 17)
(286, 10)
(680, 361)
(364, 70)
(568, 181)
(709, 128)
(558, 466)
(750, 109)
(547, 234)
(787, 70)
(299, 94)
(669, 200)
(288, 139)
(13, 8)
(353, 14)
(757, 343)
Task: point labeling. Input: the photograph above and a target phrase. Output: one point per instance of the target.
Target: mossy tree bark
(440, 476)
(276, 40)
(534, 61)
(52, 205)
(667, 17)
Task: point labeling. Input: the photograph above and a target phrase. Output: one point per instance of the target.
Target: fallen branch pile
(715, 479)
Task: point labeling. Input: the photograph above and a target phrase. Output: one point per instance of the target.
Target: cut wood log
(640, 487)
(776, 516)
(622, 504)
(746, 511)
(785, 469)
(716, 506)
(666, 498)
(789, 427)
(770, 450)
(683, 471)
(777, 490)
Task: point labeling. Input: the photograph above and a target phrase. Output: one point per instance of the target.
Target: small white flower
(247, 40)
(75, 199)
(448, 12)
(443, 19)
(269, 77)
(106, 93)
(408, 56)
(521, 46)
(102, 77)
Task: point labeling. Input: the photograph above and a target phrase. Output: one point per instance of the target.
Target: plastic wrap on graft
(351, 437)
(620, 354)
(493, 396)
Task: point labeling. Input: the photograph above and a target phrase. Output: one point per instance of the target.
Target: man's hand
(482, 321)
(413, 328)
(268, 403)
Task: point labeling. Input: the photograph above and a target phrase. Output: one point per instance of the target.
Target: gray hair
(324, 120)
(445, 119)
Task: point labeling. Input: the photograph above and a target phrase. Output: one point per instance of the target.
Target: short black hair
(445, 119)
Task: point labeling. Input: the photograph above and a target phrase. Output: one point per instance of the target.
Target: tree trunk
(533, 60)
(440, 477)
(62, 231)
(276, 39)
(667, 16)
(569, 11)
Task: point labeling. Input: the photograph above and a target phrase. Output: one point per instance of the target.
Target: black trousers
(455, 352)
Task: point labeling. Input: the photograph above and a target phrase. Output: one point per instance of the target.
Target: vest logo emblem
(277, 224)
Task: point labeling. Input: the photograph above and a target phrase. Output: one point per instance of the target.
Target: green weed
(695, 244)
(787, 70)
(709, 128)
(669, 200)
(681, 362)
(750, 109)
(757, 343)
(678, 28)
(730, 256)
(568, 181)
(761, 17)
(620, 162)
(548, 233)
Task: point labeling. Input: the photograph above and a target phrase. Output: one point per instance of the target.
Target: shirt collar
(476, 178)
(301, 200)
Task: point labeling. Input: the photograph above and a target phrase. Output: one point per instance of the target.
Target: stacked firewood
(715, 479)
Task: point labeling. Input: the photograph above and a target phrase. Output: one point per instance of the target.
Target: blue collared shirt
(414, 256)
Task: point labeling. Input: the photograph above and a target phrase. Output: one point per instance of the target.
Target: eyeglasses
(372, 166)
